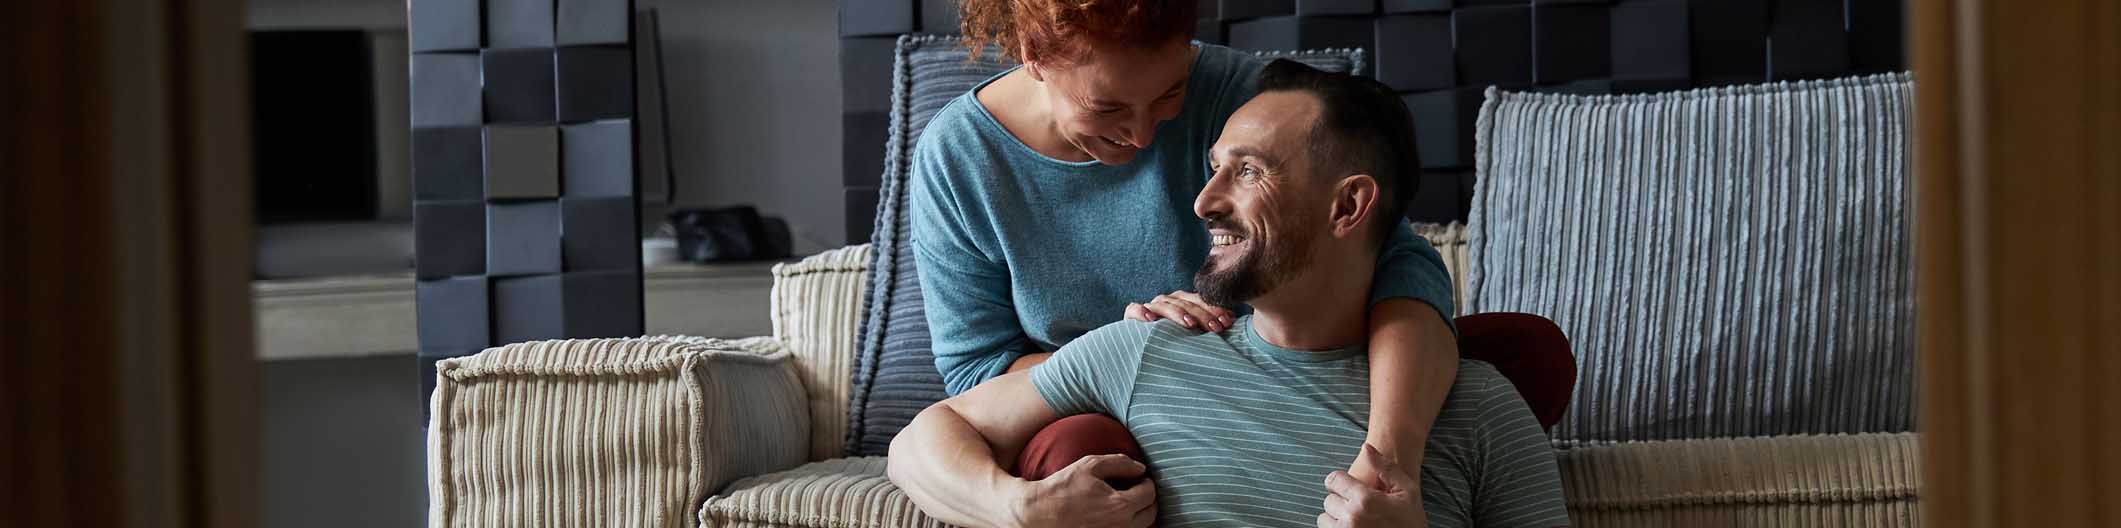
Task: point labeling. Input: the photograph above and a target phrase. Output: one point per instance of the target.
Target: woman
(1053, 197)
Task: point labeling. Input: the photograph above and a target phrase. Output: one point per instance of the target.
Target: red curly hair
(1065, 31)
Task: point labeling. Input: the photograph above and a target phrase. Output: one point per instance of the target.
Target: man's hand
(1080, 495)
(1353, 503)
(1185, 307)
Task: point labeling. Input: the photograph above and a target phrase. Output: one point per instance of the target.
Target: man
(1241, 427)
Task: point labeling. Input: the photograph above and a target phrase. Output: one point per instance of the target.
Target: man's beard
(1264, 266)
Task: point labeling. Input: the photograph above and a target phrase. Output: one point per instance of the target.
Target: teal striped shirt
(1239, 432)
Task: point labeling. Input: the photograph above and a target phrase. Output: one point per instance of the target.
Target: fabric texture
(894, 372)
(1865, 480)
(1229, 414)
(607, 432)
(1726, 262)
(838, 493)
(816, 304)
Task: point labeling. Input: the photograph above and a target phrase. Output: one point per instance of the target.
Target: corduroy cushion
(1726, 262)
(815, 306)
(839, 493)
(607, 432)
(895, 376)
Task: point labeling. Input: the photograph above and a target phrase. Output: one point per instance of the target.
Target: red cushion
(1529, 350)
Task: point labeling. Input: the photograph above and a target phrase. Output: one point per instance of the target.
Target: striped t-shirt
(1239, 432)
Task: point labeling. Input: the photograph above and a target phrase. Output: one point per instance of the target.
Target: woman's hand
(1393, 501)
(1185, 307)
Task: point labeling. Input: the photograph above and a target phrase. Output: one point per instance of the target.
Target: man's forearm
(948, 469)
(1413, 362)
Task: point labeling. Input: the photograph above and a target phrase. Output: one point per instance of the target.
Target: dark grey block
(1335, 7)
(596, 159)
(1209, 30)
(1494, 45)
(599, 234)
(528, 309)
(519, 85)
(1414, 52)
(1443, 126)
(1243, 9)
(1416, 6)
(939, 16)
(1490, 3)
(1570, 42)
(862, 135)
(1293, 33)
(1466, 181)
(1637, 86)
(1650, 40)
(522, 162)
(1728, 40)
(442, 25)
(861, 213)
(519, 23)
(602, 304)
(1438, 200)
(448, 163)
(445, 90)
(449, 239)
(452, 313)
(1208, 9)
(1808, 40)
(595, 83)
(865, 74)
(583, 22)
(860, 18)
(523, 238)
(1877, 35)
(1582, 87)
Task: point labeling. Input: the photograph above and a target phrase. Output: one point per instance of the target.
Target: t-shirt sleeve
(970, 307)
(1095, 372)
(1409, 267)
(1519, 483)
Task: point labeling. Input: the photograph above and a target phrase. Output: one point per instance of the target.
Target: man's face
(1261, 207)
(1109, 105)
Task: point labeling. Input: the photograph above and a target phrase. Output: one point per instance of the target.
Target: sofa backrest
(1726, 262)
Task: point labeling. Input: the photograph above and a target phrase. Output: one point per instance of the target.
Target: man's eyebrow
(1247, 151)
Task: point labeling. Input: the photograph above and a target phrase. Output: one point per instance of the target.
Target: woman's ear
(1354, 202)
(1030, 66)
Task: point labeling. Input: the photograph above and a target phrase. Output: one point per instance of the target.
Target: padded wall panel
(448, 163)
(1438, 199)
(522, 162)
(1413, 52)
(519, 23)
(523, 238)
(455, 310)
(1416, 6)
(595, 83)
(518, 85)
(860, 18)
(595, 234)
(528, 309)
(1729, 41)
(861, 213)
(445, 90)
(583, 22)
(1649, 40)
(1494, 45)
(1571, 42)
(862, 160)
(865, 74)
(1443, 126)
(601, 303)
(596, 159)
(1336, 7)
(939, 16)
(1808, 40)
(1292, 32)
(442, 25)
(1243, 9)
(449, 238)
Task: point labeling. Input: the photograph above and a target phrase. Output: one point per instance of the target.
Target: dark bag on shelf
(728, 234)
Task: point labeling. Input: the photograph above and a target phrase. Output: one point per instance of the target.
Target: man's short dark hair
(1362, 128)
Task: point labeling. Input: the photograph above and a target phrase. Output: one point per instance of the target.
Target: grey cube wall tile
(1571, 42)
(528, 309)
(862, 159)
(519, 23)
(1807, 40)
(596, 159)
(1416, 6)
(860, 18)
(1877, 35)
(519, 85)
(595, 83)
(1413, 52)
(1335, 7)
(1209, 30)
(522, 162)
(1443, 126)
(1728, 40)
(584, 22)
(1494, 45)
(865, 73)
(1294, 32)
(453, 313)
(1438, 198)
(861, 213)
(444, 240)
(448, 163)
(523, 238)
(1650, 40)
(445, 90)
(939, 16)
(441, 25)
(601, 304)
(1243, 9)
(599, 234)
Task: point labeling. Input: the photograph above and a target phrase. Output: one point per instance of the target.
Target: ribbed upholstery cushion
(607, 432)
(1867, 480)
(895, 376)
(815, 306)
(840, 493)
(1450, 242)
(1726, 262)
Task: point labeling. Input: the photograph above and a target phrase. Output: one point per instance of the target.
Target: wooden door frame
(2018, 189)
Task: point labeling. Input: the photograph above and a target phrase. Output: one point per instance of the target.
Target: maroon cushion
(1529, 350)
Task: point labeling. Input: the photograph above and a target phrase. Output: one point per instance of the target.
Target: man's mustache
(1223, 223)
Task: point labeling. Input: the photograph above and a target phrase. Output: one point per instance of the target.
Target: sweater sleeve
(1410, 268)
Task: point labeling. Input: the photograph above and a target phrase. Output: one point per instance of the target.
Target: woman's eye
(1107, 111)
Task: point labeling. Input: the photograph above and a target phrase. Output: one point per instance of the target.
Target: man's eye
(1248, 172)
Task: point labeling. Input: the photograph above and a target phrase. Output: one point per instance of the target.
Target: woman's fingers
(1194, 315)
(1137, 312)
(1220, 313)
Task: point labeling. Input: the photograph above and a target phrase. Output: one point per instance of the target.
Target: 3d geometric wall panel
(525, 200)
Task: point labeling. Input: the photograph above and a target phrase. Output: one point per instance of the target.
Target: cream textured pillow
(817, 304)
(839, 493)
(607, 432)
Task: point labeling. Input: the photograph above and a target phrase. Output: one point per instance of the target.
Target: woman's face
(1109, 104)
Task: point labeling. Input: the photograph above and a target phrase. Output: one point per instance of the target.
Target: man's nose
(1210, 203)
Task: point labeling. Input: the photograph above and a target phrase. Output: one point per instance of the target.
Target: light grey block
(522, 162)
(593, 21)
(452, 313)
(445, 90)
(523, 238)
(519, 23)
(597, 159)
(528, 309)
(435, 25)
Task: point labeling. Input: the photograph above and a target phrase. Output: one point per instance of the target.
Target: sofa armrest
(816, 308)
(608, 432)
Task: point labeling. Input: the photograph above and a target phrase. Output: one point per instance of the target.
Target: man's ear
(1354, 202)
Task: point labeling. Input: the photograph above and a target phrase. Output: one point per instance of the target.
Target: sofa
(1730, 264)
